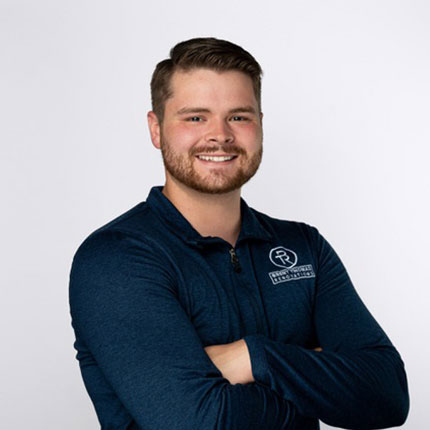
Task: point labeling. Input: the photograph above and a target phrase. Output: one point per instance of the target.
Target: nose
(220, 132)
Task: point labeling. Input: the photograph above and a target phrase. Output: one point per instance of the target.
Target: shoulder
(137, 221)
(115, 265)
(138, 224)
(128, 239)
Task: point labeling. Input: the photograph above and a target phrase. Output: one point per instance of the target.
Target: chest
(228, 297)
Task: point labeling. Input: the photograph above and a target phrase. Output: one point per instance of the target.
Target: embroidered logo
(283, 257)
(287, 259)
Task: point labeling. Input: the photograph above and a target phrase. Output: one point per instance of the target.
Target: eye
(239, 118)
(194, 119)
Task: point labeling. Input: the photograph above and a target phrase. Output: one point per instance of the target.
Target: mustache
(227, 149)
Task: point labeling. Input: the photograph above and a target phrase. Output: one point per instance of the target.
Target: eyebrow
(189, 110)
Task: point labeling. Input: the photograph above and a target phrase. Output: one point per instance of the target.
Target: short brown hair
(202, 52)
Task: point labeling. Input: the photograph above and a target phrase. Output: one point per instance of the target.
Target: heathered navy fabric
(148, 292)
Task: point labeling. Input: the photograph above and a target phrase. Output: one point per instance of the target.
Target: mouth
(217, 158)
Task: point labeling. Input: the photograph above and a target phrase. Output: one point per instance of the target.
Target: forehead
(210, 86)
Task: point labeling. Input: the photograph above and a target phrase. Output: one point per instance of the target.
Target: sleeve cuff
(259, 363)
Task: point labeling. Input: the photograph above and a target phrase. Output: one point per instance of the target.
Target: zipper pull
(235, 261)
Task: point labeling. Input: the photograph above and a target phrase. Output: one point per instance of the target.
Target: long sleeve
(358, 380)
(141, 359)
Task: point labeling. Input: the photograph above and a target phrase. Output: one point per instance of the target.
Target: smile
(216, 158)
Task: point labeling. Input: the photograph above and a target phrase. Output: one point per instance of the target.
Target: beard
(181, 167)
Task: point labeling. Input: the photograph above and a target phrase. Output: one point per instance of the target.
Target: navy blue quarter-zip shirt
(148, 293)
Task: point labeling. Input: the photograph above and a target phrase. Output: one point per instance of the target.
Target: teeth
(215, 158)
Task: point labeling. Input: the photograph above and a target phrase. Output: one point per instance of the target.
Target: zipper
(235, 261)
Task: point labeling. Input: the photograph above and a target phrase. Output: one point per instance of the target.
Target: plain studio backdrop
(346, 135)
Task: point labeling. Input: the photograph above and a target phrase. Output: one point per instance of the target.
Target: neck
(215, 215)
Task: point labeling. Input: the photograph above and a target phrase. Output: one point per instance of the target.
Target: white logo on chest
(283, 257)
(287, 259)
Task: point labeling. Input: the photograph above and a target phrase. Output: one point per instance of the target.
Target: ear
(154, 129)
(261, 116)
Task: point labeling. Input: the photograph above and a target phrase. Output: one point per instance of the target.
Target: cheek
(251, 136)
(182, 135)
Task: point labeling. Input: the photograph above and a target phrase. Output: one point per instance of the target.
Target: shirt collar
(251, 227)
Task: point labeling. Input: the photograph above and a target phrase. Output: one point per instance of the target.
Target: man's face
(211, 135)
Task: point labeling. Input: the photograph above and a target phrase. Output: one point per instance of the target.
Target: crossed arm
(233, 361)
(362, 389)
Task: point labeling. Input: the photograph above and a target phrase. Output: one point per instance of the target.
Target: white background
(346, 100)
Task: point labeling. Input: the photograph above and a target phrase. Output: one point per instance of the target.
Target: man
(194, 311)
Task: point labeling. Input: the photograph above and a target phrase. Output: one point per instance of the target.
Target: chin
(224, 187)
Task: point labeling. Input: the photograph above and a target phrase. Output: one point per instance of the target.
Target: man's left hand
(233, 361)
